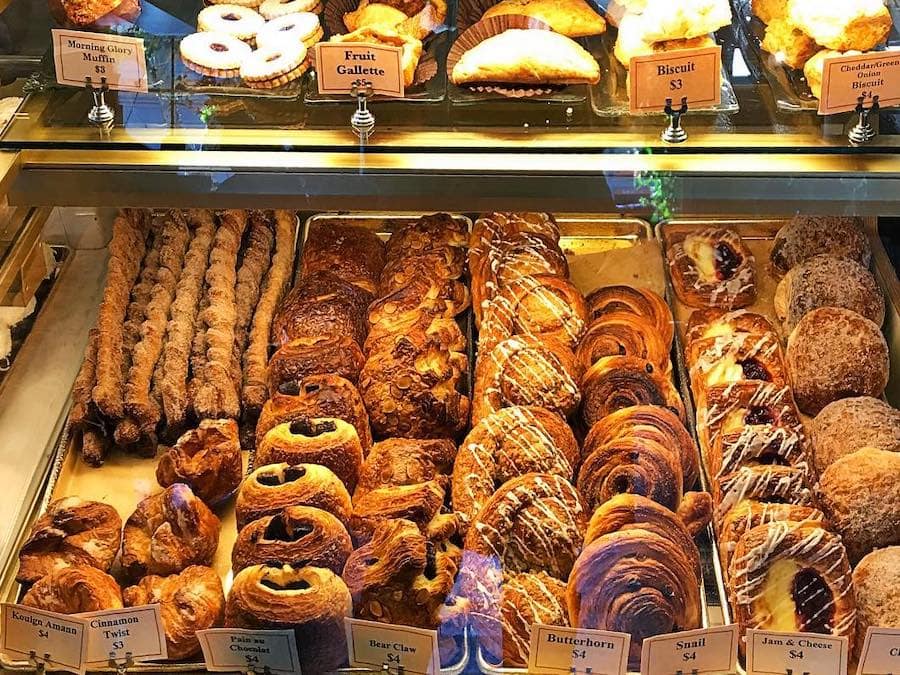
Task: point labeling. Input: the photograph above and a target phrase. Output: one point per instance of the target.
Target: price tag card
(558, 650)
(707, 650)
(846, 78)
(57, 639)
(115, 633)
(341, 65)
(231, 649)
(79, 55)
(695, 74)
(373, 644)
(769, 652)
(880, 652)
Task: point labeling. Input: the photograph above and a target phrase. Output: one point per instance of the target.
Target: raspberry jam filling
(754, 370)
(727, 260)
(814, 602)
(218, 47)
(759, 415)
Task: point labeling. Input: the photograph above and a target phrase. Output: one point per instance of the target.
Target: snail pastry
(617, 382)
(507, 444)
(807, 236)
(421, 504)
(405, 461)
(296, 536)
(73, 590)
(623, 334)
(311, 601)
(355, 254)
(168, 532)
(652, 422)
(768, 483)
(794, 577)
(189, 601)
(641, 302)
(207, 459)
(726, 360)
(532, 523)
(524, 370)
(721, 323)
(317, 355)
(400, 576)
(269, 489)
(316, 396)
(329, 442)
(71, 532)
(712, 268)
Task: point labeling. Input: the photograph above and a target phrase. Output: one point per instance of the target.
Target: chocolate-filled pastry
(874, 424)
(656, 423)
(807, 236)
(524, 370)
(827, 281)
(768, 483)
(622, 334)
(323, 304)
(727, 360)
(635, 581)
(327, 441)
(507, 444)
(189, 601)
(532, 523)
(297, 536)
(355, 254)
(74, 589)
(631, 300)
(795, 577)
(317, 355)
(312, 397)
(876, 581)
(311, 601)
(835, 353)
(432, 232)
(404, 461)
(269, 489)
(168, 532)
(207, 459)
(859, 495)
(617, 382)
(721, 323)
(712, 268)
(421, 504)
(542, 306)
(400, 576)
(72, 531)
(437, 265)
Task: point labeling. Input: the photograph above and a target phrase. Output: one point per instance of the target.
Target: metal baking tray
(606, 250)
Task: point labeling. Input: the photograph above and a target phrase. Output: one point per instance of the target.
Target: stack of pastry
(183, 329)
(803, 33)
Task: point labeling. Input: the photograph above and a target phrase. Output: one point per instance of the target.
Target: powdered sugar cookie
(302, 28)
(274, 66)
(240, 22)
(272, 9)
(214, 54)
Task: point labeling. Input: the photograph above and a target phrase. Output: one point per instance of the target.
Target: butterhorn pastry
(404, 461)
(295, 536)
(73, 590)
(633, 300)
(168, 532)
(190, 601)
(71, 532)
(311, 601)
(573, 18)
(713, 268)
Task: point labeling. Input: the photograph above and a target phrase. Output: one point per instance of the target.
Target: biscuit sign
(81, 56)
(694, 74)
(342, 65)
(846, 78)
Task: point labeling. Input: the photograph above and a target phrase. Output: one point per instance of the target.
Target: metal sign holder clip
(100, 114)
(863, 132)
(682, 672)
(586, 671)
(675, 133)
(363, 121)
(121, 666)
(790, 671)
(39, 664)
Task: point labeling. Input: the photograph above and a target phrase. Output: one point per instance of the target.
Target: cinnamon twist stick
(198, 351)
(84, 383)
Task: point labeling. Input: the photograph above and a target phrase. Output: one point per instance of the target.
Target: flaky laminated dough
(842, 25)
(573, 18)
(411, 47)
(527, 57)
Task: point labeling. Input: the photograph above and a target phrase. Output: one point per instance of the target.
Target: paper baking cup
(488, 28)
(470, 12)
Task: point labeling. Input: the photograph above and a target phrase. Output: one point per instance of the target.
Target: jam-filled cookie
(214, 54)
(234, 20)
(713, 268)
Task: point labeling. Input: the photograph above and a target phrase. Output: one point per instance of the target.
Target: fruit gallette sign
(341, 66)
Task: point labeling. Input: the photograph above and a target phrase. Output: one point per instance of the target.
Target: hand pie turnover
(573, 18)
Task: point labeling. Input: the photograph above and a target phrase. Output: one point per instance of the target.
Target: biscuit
(788, 44)
(300, 28)
(235, 20)
(272, 9)
(841, 25)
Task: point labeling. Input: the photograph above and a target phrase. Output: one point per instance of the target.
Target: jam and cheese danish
(632, 300)
(767, 483)
(713, 268)
(721, 323)
(745, 356)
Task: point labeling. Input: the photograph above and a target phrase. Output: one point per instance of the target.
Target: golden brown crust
(189, 601)
(74, 589)
(768, 483)
(622, 334)
(632, 300)
(807, 236)
(321, 355)
(404, 461)
(712, 268)
(716, 322)
(874, 424)
(434, 232)
(420, 503)
(443, 264)
(572, 18)
(793, 47)
(432, 297)
(730, 359)
(876, 581)
(354, 254)
(82, 411)
(71, 532)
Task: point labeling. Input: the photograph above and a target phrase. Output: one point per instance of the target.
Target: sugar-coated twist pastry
(641, 302)
(82, 411)
(73, 590)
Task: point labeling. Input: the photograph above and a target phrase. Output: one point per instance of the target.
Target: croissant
(326, 441)
(168, 532)
(507, 444)
(317, 355)
(712, 268)
(72, 531)
(208, 459)
(295, 536)
(617, 382)
(726, 360)
(316, 396)
(714, 322)
(769, 483)
(523, 370)
(404, 461)
(421, 504)
(311, 601)
(532, 523)
(73, 590)
(189, 601)
(355, 254)
(622, 334)
(641, 302)
(271, 488)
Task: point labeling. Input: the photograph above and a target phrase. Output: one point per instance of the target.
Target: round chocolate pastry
(808, 236)
(850, 424)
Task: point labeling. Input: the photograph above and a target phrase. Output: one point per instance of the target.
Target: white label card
(58, 640)
(373, 644)
(769, 652)
(116, 633)
(707, 650)
(558, 650)
(880, 652)
(79, 55)
(231, 649)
